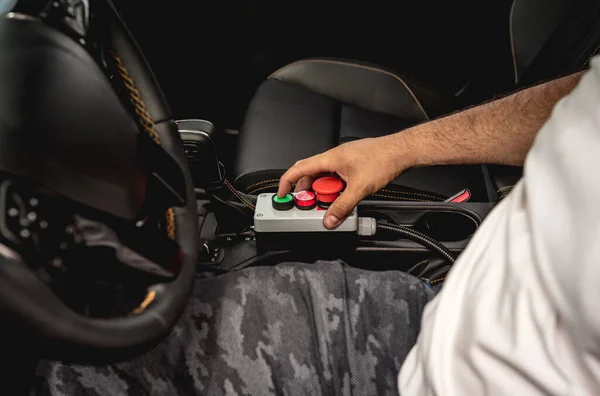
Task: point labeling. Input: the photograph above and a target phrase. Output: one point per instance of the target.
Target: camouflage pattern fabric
(292, 329)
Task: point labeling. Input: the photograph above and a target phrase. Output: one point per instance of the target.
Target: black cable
(418, 237)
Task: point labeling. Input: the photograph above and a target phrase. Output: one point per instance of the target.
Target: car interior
(215, 102)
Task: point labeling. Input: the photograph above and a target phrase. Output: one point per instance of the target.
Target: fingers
(308, 167)
(342, 207)
(304, 184)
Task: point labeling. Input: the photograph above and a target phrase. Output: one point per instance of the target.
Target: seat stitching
(407, 198)
(360, 67)
(402, 195)
(390, 249)
(234, 191)
(411, 193)
(512, 41)
(262, 188)
(261, 182)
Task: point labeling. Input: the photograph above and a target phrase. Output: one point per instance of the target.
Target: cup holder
(446, 226)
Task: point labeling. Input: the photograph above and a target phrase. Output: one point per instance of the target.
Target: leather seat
(313, 105)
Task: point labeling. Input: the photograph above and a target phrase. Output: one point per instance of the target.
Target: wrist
(408, 148)
(398, 152)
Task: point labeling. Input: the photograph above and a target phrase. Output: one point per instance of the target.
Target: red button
(328, 189)
(328, 185)
(305, 200)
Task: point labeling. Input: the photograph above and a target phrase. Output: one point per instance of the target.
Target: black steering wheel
(24, 297)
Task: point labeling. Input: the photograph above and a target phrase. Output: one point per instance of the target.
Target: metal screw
(13, 212)
(25, 233)
(57, 262)
(263, 195)
(33, 202)
(23, 222)
(259, 215)
(43, 224)
(32, 216)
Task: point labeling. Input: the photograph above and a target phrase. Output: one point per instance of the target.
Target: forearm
(499, 132)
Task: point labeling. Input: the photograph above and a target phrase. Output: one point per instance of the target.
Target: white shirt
(519, 314)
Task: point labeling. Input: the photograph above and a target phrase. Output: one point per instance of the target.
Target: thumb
(342, 207)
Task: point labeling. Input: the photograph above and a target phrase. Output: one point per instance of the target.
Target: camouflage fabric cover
(292, 329)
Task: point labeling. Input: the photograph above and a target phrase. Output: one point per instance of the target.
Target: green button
(285, 199)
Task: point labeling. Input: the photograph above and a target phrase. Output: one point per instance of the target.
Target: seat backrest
(552, 38)
(548, 39)
(531, 23)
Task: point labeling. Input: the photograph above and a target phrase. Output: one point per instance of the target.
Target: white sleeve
(519, 313)
(562, 182)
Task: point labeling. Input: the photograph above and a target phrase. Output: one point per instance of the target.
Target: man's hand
(365, 165)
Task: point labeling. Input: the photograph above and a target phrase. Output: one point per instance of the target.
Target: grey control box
(268, 219)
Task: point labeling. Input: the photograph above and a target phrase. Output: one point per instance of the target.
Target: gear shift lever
(200, 141)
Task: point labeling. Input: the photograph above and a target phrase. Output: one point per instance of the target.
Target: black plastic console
(452, 224)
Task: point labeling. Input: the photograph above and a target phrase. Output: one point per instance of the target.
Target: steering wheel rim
(26, 299)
